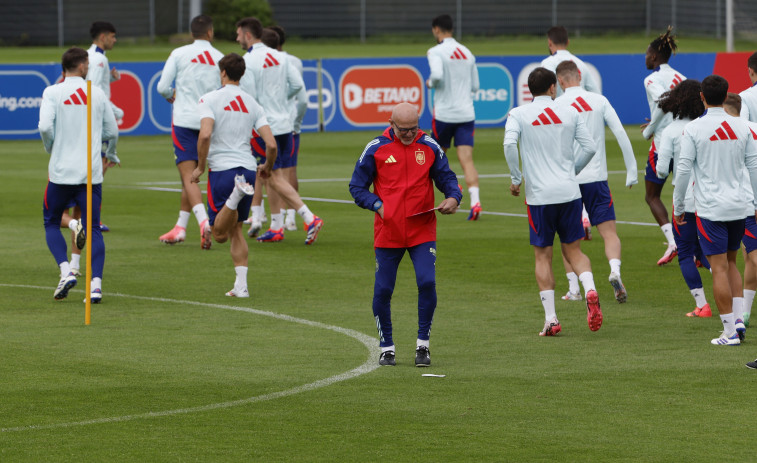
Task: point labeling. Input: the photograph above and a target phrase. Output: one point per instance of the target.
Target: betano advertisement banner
(356, 94)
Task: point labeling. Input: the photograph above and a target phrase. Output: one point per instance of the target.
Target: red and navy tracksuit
(402, 177)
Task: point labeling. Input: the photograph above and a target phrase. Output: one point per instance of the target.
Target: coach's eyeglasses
(403, 130)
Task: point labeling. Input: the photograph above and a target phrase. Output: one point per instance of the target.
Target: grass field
(171, 370)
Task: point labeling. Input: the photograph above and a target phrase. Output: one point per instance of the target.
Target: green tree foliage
(226, 13)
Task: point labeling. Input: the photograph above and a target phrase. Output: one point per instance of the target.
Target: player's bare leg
(465, 157)
(582, 266)
(291, 175)
(609, 234)
(191, 200)
(660, 213)
(282, 194)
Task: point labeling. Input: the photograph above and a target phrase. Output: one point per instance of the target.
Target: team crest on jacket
(420, 157)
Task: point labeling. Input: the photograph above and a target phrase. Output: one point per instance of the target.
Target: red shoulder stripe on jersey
(552, 115)
(544, 119)
(82, 94)
(461, 53)
(721, 134)
(754, 135)
(227, 108)
(714, 138)
(241, 104)
(202, 59)
(210, 58)
(273, 59)
(234, 105)
(578, 108)
(74, 99)
(583, 103)
(729, 130)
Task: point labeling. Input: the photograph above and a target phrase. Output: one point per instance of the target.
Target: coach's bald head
(405, 121)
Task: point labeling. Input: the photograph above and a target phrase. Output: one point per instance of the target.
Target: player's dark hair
(72, 58)
(98, 27)
(714, 89)
(270, 38)
(252, 25)
(568, 68)
(665, 45)
(200, 25)
(683, 102)
(443, 22)
(558, 35)
(540, 80)
(733, 100)
(234, 66)
(752, 62)
(282, 34)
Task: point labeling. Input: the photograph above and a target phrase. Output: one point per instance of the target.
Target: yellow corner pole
(87, 298)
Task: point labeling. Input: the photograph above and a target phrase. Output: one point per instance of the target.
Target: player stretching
(595, 110)
(63, 128)
(662, 79)
(227, 117)
(716, 149)
(193, 70)
(454, 77)
(546, 132)
(685, 104)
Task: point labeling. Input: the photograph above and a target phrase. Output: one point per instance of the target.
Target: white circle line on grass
(369, 365)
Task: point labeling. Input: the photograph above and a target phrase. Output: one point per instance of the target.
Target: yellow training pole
(87, 298)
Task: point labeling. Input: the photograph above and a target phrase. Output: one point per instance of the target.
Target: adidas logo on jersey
(204, 58)
(676, 80)
(79, 97)
(458, 54)
(270, 61)
(390, 159)
(581, 105)
(547, 117)
(724, 132)
(236, 105)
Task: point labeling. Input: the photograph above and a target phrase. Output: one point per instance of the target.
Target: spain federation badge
(420, 157)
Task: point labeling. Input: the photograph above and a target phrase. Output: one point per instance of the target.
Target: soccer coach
(401, 164)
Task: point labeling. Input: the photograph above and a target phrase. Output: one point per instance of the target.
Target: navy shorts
(719, 237)
(651, 173)
(546, 220)
(220, 186)
(444, 132)
(295, 147)
(184, 144)
(597, 199)
(59, 197)
(750, 234)
(285, 156)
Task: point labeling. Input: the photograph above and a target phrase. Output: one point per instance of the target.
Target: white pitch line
(369, 365)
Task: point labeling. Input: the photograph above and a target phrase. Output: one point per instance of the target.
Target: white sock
(738, 308)
(241, 281)
(183, 219)
(667, 230)
(729, 327)
(97, 283)
(72, 224)
(65, 269)
(473, 192)
(233, 200)
(258, 212)
(277, 221)
(387, 348)
(573, 282)
(615, 266)
(548, 301)
(200, 214)
(587, 280)
(290, 215)
(748, 300)
(421, 342)
(75, 259)
(305, 213)
(698, 294)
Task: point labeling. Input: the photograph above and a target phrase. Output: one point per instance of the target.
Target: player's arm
(445, 181)
(271, 151)
(294, 80)
(683, 174)
(588, 146)
(590, 82)
(613, 122)
(203, 147)
(362, 179)
(475, 83)
(301, 102)
(110, 132)
(46, 124)
(167, 76)
(751, 162)
(654, 91)
(665, 152)
(437, 69)
(512, 134)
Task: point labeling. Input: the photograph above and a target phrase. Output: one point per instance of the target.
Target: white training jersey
(596, 111)
(99, 74)
(235, 114)
(546, 132)
(299, 102)
(63, 128)
(587, 79)
(749, 103)
(454, 78)
(669, 147)
(716, 149)
(190, 72)
(662, 79)
(271, 79)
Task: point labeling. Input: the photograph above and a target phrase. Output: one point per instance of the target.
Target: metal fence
(50, 22)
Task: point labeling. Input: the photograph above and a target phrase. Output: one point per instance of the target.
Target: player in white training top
(749, 96)
(190, 72)
(63, 128)
(454, 78)
(716, 149)
(557, 42)
(227, 118)
(272, 80)
(662, 79)
(595, 110)
(546, 132)
(685, 104)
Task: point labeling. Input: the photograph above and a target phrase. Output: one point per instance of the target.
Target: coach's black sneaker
(422, 357)
(387, 358)
(752, 365)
